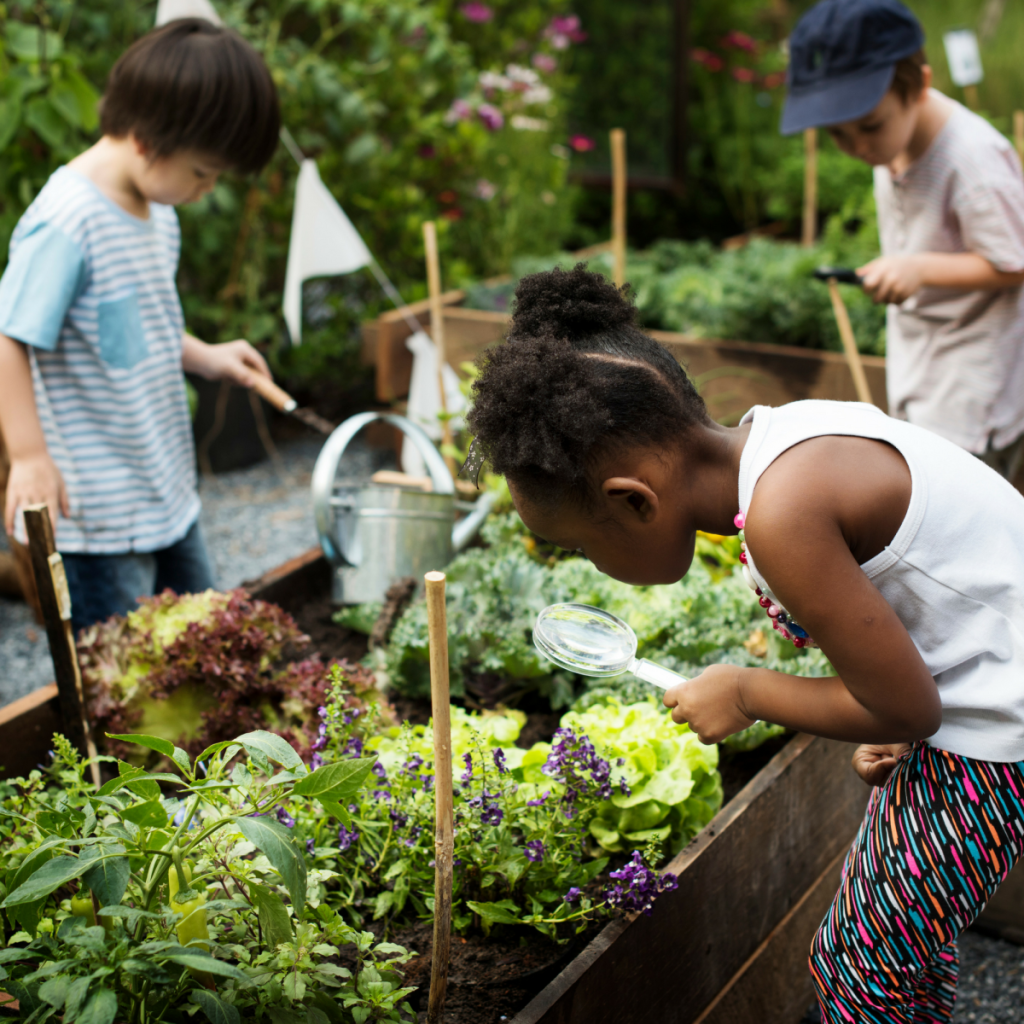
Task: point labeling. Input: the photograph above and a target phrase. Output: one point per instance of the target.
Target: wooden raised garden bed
(730, 943)
(767, 374)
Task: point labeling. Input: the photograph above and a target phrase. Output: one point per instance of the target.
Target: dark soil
(489, 979)
(315, 618)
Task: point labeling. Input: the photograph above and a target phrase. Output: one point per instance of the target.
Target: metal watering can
(374, 534)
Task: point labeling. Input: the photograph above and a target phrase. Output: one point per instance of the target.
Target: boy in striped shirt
(950, 198)
(92, 341)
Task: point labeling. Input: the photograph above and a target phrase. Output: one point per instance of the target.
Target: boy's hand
(892, 278)
(874, 763)
(711, 703)
(236, 361)
(35, 480)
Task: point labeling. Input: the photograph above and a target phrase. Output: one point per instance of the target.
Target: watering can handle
(334, 449)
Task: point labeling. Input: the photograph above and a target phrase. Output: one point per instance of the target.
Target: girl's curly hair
(575, 377)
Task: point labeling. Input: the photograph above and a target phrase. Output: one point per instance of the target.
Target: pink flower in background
(710, 60)
(774, 79)
(427, 151)
(460, 110)
(740, 41)
(563, 30)
(743, 74)
(477, 12)
(485, 190)
(448, 196)
(454, 214)
(581, 143)
(491, 116)
(544, 62)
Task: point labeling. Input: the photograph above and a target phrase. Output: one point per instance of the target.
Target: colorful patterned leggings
(936, 841)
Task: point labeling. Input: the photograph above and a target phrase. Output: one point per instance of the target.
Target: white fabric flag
(323, 243)
(171, 10)
(425, 399)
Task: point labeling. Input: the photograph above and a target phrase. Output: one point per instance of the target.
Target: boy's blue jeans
(105, 585)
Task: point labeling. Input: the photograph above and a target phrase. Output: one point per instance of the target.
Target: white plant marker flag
(425, 398)
(171, 10)
(323, 243)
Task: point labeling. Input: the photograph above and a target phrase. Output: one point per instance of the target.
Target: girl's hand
(711, 703)
(35, 480)
(892, 278)
(874, 763)
(236, 361)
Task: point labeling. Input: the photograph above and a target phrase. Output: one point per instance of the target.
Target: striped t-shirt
(89, 288)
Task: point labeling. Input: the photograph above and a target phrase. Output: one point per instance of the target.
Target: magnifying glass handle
(656, 675)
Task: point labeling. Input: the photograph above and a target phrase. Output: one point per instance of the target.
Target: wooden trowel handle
(277, 397)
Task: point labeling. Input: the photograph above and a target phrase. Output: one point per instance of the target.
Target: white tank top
(954, 572)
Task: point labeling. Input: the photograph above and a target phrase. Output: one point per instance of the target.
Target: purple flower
(460, 110)
(499, 760)
(350, 716)
(573, 895)
(467, 775)
(544, 62)
(380, 771)
(563, 30)
(624, 788)
(540, 801)
(400, 820)
(309, 846)
(410, 766)
(346, 838)
(354, 747)
(575, 763)
(381, 794)
(477, 12)
(316, 761)
(640, 886)
(491, 116)
(285, 818)
(428, 782)
(534, 851)
(492, 815)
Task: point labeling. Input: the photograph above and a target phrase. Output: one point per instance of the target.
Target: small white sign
(964, 57)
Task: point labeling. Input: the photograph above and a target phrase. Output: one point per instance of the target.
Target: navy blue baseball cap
(842, 56)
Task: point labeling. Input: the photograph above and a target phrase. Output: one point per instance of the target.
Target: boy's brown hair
(191, 84)
(908, 78)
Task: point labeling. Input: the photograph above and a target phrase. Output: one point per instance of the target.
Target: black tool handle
(844, 275)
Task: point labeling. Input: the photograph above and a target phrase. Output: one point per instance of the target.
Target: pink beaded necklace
(781, 619)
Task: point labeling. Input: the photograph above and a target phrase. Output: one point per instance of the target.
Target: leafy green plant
(245, 935)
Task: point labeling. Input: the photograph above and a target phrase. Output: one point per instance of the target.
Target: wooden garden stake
(618, 142)
(853, 360)
(55, 602)
(810, 224)
(444, 836)
(1018, 133)
(437, 327)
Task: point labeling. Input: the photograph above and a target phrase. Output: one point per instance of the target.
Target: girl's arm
(34, 477)
(896, 278)
(815, 503)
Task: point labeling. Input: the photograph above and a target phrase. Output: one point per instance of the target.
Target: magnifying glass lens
(584, 639)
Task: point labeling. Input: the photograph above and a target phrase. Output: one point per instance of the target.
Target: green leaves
(274, 748)
(108, 878)
(31, 43)
(100, 1009)
(52, 875)
(501, 912)
(337, 782)
(276, 842)
(199, 961)
(216, 1010)
(275, 923)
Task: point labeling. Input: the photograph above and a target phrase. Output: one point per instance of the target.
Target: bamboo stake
(971, 95)
(1018, 133)
(810, 225)
(437, 328)
(618, 143)
(853, 360)
(55, 601)
(444, 836)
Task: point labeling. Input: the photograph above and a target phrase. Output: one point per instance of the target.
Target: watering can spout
(465, 530)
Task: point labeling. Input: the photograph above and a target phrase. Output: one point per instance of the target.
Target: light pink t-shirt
(955, 359)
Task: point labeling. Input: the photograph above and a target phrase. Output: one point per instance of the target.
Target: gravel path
(253, 519)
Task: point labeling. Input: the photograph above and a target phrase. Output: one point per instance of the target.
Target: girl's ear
(632, 497)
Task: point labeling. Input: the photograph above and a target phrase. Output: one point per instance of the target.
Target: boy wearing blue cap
(950, 198)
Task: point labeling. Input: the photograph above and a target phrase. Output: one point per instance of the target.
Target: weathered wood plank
(1004, 915)
(296, 581)
(26, 727)
(774, 985)
(737, 881)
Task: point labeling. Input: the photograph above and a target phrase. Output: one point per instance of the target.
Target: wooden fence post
(55, 602)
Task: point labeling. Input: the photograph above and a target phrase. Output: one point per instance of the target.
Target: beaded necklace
(781, 619)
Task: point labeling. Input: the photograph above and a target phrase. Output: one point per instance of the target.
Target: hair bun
(571, 304)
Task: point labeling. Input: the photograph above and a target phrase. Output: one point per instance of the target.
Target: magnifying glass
(592, 642)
